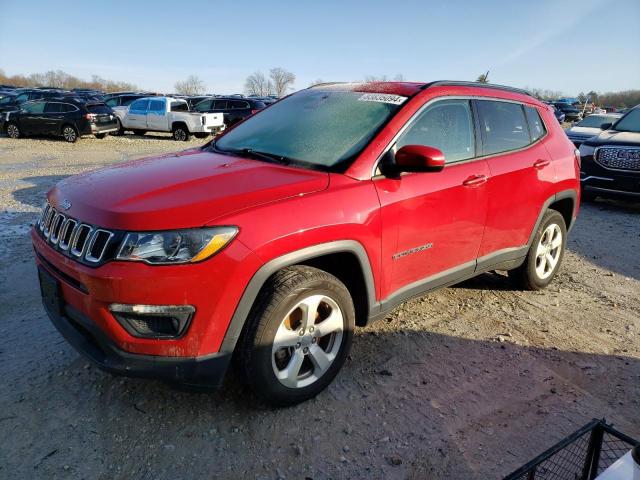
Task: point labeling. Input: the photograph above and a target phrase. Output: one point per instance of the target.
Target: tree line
(60, 79)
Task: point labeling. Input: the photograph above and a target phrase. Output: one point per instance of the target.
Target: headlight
(175, 246)
(586, 150)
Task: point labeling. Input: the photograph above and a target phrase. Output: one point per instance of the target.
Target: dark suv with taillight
(234, 109)
(611, 160)
(67, 117)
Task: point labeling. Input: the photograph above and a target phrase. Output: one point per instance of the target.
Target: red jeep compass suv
(321, 212)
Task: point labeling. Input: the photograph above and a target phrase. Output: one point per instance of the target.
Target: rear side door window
(52, 107)
(237, 105)
(446, 125)
(220, 105)
(67, 107)
(536, 126)
(35, 107)
(156, 107)
(503, 126)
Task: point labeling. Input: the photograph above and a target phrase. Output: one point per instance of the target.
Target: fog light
(153, 321)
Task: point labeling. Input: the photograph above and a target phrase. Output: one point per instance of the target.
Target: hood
(583, 131)
(180, 190)
(613, 137)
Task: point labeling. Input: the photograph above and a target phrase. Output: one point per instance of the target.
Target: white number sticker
(382, 98)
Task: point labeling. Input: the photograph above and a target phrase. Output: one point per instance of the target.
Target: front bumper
(84, 335)
(608, 182)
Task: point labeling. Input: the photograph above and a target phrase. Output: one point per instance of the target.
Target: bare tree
(484, 78)
(282, 80)
(193, 85)
(62, 79)
(375, 78)
(257, 84)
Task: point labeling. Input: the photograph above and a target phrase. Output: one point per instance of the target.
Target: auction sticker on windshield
(382, 98)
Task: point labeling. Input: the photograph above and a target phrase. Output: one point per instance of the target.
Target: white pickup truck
(167, 114)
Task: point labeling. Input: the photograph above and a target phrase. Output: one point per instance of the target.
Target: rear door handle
(541, 163)
(475, 180)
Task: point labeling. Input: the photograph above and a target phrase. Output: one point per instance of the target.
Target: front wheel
(297, 336)
(139, 132)
(69, 133)
(100, 136)
(545, 254)
(13, 131)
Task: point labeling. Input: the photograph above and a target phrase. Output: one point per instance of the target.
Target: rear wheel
(13, 130)
(139, 132)
(180, 133)
(297, 336)
(100, 136)
(201, 135)
(545, 254)
(69, 133)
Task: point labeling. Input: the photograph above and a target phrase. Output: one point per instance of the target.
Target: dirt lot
(469, 382)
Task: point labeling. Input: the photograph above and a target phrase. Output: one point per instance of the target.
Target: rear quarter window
(98, 108)
(503, 126)
(536, 125)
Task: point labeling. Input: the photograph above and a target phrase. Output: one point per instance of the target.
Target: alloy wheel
(307, 341)
(548, 251)
(69, 134)
(13, 131)
(180, 135)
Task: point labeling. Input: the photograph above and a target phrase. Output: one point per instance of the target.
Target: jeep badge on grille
(65, 204)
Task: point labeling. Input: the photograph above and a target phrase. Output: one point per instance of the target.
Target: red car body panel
(411, 228)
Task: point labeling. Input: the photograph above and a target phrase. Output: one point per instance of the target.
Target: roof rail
(459, 83)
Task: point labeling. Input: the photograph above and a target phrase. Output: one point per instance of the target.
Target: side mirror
(419, 158)
(606, 126)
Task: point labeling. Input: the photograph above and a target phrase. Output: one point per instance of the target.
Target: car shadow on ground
(609, 242)
(35, 194)
(408, 404)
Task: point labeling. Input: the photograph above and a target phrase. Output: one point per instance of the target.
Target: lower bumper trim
(88, 339)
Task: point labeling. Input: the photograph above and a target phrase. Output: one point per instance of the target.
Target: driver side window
(446, 125)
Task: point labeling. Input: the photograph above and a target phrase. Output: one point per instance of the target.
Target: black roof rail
(460, 83)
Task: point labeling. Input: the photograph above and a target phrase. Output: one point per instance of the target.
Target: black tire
(120, 130)
(272, 313)
(13, 130)
(100, 136)
(201, 135)
(69, 133)
(528, 276)
(139, 132)
(181, 133)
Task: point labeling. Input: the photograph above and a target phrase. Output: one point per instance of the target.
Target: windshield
(630, 122)
(595, 121)
(8, 99)
(315, 128)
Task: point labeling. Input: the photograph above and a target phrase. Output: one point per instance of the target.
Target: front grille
(80, 241)
(619, 158)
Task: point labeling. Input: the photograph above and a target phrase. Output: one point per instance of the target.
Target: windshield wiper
(269, 157)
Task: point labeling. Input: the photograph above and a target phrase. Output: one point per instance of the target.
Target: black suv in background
(571, 113)
(63, 116)
(611, 161)
(13, 102)
(124, 100)
(234, 109)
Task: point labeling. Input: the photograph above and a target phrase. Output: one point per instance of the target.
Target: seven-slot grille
(619, 158)
(76, 239)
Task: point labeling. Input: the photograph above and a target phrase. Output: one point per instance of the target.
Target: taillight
(254, 111)
(576, 152)
(91, 117)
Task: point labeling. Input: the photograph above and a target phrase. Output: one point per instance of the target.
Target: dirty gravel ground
(469, 382)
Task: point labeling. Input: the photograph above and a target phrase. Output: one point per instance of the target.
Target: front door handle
(475, 180)
(539, 164)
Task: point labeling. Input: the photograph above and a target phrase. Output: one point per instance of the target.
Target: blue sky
(569, 46)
